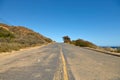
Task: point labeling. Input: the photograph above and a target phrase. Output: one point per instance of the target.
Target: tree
(66, 39)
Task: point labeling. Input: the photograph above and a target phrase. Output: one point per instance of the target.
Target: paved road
(59, 62)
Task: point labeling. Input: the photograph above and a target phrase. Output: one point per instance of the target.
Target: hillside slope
(83, 43)
(16, 37)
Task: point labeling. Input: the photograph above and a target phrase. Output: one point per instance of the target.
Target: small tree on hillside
(66, 39)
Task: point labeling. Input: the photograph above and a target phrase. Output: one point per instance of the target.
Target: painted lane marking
(65, 73)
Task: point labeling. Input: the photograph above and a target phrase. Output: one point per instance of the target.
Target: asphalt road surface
(59, 61)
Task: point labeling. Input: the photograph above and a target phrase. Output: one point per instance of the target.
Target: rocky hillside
(16, 37)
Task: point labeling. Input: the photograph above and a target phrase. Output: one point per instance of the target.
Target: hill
(83, 43)
(17, 37)
(79, 42)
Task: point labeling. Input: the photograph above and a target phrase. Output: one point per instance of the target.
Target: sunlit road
(59, 62)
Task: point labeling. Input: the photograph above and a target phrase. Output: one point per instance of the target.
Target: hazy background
(97, 21)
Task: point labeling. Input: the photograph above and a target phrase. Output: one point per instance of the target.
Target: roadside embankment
(104, 51)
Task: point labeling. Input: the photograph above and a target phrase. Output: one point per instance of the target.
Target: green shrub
(5, 34)
(67, 39)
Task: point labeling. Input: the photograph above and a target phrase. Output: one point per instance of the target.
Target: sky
(97, 21)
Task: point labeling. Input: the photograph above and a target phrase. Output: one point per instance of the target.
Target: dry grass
(7, 47)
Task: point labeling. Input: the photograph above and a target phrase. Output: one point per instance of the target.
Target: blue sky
(97, 21)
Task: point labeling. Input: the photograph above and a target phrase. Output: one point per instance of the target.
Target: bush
(82, 43)
(67, 39)
(7, 47)
(5, 34)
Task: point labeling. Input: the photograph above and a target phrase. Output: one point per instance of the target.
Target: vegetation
(8, 47)
(17, 37)
(5, 33)
(79, 42)
(66, 39)
(83, 43)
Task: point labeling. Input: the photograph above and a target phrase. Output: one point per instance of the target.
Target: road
(59, 61)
